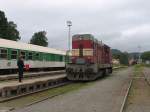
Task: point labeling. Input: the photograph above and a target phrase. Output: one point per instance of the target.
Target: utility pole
(139, 60)
(69, 24)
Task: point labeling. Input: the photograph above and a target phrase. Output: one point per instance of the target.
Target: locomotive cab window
(3, 53)
(14, 54)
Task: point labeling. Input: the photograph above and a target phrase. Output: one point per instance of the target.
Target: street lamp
(69, 24)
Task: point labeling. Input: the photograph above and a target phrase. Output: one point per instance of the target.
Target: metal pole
(69, 39)
(69, 24)
(139, 54)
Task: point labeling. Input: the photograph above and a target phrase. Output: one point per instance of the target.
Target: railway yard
(125, 90)
(98, 61)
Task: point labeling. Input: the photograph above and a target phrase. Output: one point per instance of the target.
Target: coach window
(37, 56)
(64, 58)
(23, 54)
(30, 56)
(14, 54)
(60, 58)
(52, 57)
(3, 53)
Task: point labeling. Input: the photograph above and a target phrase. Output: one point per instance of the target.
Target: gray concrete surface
(147, 74)
(139, 95)
(104, 95)
(31, 74)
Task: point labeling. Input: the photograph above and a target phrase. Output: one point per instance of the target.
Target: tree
(124, 58)
(40, 39)
(8, 29)
(145, 56)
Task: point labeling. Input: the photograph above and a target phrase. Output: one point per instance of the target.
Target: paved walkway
(104, 95)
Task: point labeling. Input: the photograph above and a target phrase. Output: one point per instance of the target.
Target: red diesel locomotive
(90, 58)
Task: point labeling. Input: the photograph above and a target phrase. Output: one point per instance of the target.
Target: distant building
(115, 61)
(132, 61)
(147, 62)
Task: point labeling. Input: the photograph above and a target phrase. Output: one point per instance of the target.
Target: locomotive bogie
(87, 72)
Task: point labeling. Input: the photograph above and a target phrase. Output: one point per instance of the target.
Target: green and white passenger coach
(36, 57)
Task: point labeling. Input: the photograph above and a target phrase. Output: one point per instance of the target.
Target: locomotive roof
(88, 37)
(83, 36)
(30, 47)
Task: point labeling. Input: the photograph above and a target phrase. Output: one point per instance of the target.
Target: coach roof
(30, 47)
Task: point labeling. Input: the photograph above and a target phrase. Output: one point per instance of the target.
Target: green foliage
(115, 51)
(145, 56)
(122, 56)
(8, 29)
(39, 38)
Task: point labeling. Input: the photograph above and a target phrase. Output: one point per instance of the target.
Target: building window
(14, 54)
(3, 53)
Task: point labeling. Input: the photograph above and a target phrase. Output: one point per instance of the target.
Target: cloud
(122, 24)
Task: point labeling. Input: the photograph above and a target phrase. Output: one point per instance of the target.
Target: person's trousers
(20, 76)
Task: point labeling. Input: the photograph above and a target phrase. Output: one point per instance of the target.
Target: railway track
(56, 85)
(46, 98)
(124, 103)
(126, 96)
(146, 78)
(66, 82)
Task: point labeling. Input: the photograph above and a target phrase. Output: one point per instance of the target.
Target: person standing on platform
(20, 64)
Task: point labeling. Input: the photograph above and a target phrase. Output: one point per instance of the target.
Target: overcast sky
(122, 24)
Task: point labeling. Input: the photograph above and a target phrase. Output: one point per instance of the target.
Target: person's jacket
(20, 64)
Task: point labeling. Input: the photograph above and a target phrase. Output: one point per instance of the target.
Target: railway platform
(30, 74)
(12, 89)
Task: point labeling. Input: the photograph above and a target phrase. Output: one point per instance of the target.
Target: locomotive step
(27, 75)
(13, 89)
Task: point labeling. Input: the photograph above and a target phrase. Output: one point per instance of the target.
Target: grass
(138, 70)
(139, 91)
(21, 102)
(145, 65)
